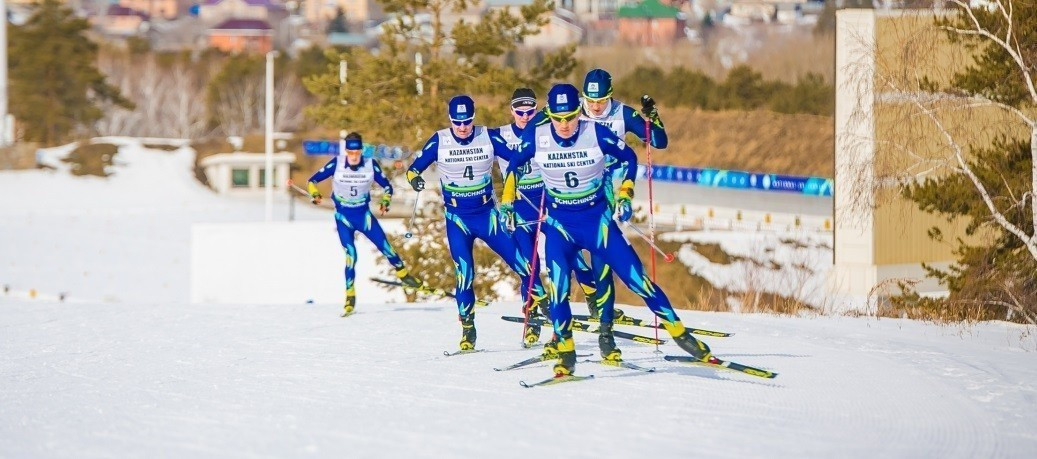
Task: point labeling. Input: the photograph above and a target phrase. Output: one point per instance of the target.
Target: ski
(644, 323)
(426, 290)
(555, 380)
(532, 360)
(462, 352)
(584, 327)
(622, 364)
(724, 364)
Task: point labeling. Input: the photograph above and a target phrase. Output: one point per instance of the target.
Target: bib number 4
(468, 173)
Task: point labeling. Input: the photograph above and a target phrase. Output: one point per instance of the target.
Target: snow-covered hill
(133, 369)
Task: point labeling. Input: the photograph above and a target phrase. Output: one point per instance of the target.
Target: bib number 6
(571, 180)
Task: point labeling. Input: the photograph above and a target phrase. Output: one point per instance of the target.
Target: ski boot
(532, 334)
(468, 332)
(408, 280)
(350, 305)
(551, 348)
(591, 296)
(683, 338)
(607, 344)
(566, 358)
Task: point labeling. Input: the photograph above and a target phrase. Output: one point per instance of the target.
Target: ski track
(261, 381)
(125, 367)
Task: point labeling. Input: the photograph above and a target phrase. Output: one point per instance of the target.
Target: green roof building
(650, 23)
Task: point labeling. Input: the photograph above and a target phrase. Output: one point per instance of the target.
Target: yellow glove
(626, 191)
(315, 196)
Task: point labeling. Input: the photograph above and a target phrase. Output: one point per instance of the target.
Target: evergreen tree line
(742, 89)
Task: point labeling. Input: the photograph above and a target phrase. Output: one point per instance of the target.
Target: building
(650, 23)
(242, 36)
(880, 236)
(217, 11)
(119, 20)
(561, 28)
(319, 12)
(164, 9)
(591, 10)
(242, 172)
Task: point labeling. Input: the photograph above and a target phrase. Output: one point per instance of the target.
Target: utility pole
(269, 172)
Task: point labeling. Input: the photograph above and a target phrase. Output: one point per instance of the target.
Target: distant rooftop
(118, 10)
(649, 9)
(243, 24)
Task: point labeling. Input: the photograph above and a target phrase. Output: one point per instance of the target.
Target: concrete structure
(650, 23)
(242, 36)
(880, 236)
(242, 172)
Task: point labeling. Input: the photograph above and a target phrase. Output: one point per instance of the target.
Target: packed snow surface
(132, 369)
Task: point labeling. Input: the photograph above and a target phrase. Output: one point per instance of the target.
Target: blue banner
(330, 147)
(722, 178)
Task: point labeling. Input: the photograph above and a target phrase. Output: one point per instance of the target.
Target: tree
(389, 102)
(993, 187)
(338, 23)
(55, 86)
(385, 98)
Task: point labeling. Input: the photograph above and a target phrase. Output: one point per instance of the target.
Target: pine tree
(994, 277)
(55, 86)
(338, 23)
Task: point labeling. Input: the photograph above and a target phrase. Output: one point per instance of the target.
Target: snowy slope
(133, 369)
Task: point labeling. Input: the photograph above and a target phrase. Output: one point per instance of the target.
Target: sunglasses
(353, 145)
(521, 112)
(466, 122)
(564, 118)
(598, 100)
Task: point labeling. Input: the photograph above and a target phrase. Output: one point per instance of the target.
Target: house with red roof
(242, 36)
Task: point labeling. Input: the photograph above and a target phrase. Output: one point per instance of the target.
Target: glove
(507, 211)
(415, 180)
(383, 206)
(315, 196)
(626, 194)
(648, 109)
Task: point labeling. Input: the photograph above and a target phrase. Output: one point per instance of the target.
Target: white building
(242, 172)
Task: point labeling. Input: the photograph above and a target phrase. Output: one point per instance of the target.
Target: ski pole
(533, 268)
(295, 187)
(413, 215)
(669, 257)
(651, 211)
(534, 222)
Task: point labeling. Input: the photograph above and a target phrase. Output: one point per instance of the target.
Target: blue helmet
(597, 84)
(562, 99)
(461, 108)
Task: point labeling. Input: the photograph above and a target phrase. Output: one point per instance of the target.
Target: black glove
(648, 109)
(416, 181)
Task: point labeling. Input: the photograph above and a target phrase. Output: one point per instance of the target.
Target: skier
(464, 156)
(571, 155)
(351, 192)
(599, 106)
(531, 187)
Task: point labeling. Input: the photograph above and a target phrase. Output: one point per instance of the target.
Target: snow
(127, 366)
(794, 264)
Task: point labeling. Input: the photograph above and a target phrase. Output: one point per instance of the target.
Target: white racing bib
(612, 119)
(352, 188)
(570, 173)
(530, 176)
(464, 168)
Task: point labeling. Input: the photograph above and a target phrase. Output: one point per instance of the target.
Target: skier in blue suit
(571, 155)
(352, 176)
(464, 156)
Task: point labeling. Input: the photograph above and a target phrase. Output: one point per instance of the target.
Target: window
(262, 177)
(239, 178)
